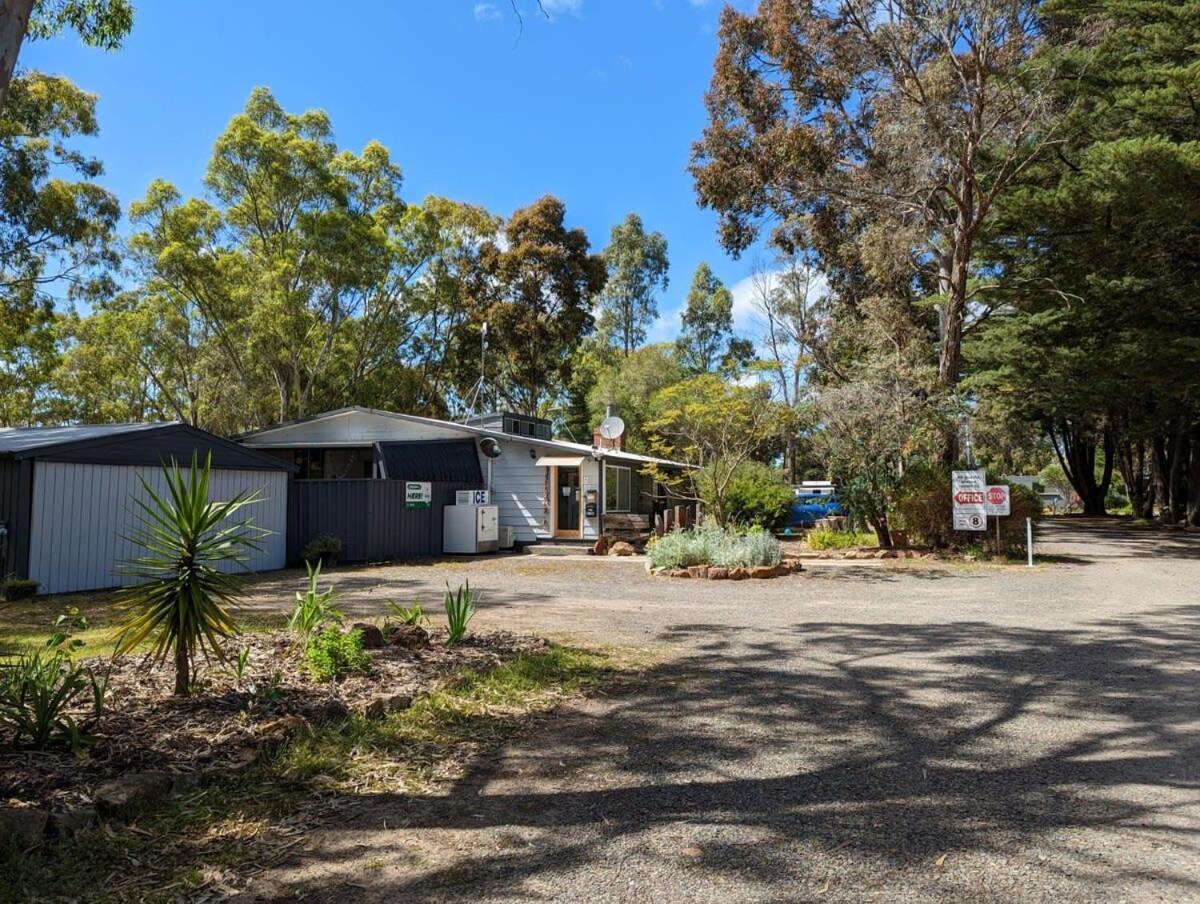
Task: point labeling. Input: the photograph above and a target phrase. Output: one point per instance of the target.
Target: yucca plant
(460, 608)
(183, 601)
(314, 607)
(406, 615)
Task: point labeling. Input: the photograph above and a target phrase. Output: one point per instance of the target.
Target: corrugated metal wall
(14, 512)
(82, 512)
(368, 516)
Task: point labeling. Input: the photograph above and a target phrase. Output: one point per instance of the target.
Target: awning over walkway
(559, 461)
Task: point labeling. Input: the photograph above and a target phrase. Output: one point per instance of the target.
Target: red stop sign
(997, 495)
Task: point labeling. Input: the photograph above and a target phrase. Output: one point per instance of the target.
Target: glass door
(566, 495)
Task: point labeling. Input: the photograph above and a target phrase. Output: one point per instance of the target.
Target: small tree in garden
(182, 603)
(715, 426)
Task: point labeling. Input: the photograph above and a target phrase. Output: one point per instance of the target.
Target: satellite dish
(612, 427)
(489, 447)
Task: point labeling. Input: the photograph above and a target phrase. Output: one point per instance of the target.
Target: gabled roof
(14, 440)
(470, 430)
(132, 444)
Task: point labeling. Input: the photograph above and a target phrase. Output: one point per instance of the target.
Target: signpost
(968, 490)
(998, 505)
(418, 494)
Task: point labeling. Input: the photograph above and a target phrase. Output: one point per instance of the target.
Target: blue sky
(599, 104)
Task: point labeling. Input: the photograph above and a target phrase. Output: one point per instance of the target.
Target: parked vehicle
(810, 506)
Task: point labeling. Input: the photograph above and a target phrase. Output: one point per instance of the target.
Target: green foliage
(707, 323)
(99, 23)
(331, 655)
(627, 384)
(637, 268)
(315, 609)
(712, 545)
(758, 495)
(406, 615)
(40, 687)
(184, 599)
(460, 609)
(923, 508)
(824, 538)
(715, 426)
(324, 550)
(14, 588)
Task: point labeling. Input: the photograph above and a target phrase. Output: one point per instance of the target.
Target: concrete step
(559, 548)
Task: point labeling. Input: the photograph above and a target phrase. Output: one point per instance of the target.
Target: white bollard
(1029, 542)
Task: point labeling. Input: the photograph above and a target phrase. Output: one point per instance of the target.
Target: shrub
(332, 655)
(823, 538)
(42, 684)
(14, 588)
(184, 599)
(758, 495)
(712, 545)
(324, 550)
(406, 615)
(460, 609)
(923, 509)
(315, 608)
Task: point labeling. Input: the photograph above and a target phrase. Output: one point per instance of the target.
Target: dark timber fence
(368, 516)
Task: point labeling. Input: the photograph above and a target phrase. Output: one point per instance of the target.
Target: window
(618, 489)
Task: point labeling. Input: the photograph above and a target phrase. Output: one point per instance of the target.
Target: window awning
(559, 461)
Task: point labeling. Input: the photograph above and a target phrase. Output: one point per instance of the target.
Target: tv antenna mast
(475, 401)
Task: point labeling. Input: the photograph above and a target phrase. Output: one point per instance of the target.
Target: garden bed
(786, 567)
(144, 729)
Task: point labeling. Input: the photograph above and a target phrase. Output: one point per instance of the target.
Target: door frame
(576, 534)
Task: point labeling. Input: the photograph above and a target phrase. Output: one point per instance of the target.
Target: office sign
(968, 490)
(997, 501)
(417, 494)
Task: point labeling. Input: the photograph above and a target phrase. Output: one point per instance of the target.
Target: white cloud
(487, 12)
(554, 7)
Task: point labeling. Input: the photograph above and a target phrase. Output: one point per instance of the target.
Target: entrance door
(566, 502)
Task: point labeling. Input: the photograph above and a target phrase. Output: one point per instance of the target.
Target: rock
(621, 548)
(718, 574)
(372, 709)
(410, 636)
(761, 572)
(600, 547)
(698, 571)
(738, 574)
(67, 823)
(372, 637)
(327, 711)
(681, 573)
(278, 730)
(22, 826)
(125, 797)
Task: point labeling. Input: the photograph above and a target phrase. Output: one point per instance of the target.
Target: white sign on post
(997, 502)
(968, 491)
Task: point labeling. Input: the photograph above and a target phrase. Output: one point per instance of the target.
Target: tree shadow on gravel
(882, 747)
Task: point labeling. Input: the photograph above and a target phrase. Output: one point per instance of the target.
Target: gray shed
(67, 496)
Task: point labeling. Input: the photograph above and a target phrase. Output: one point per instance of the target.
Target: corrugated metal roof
(432, 460)
(23, 439)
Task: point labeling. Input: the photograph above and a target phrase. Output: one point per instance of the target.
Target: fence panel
(368, 516)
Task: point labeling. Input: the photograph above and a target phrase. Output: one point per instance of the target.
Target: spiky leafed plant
(182, 601)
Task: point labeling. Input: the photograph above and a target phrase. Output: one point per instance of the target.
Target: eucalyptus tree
(704, 340)
(637, 269)
(894, 124)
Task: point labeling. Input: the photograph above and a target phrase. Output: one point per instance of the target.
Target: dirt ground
(866, 731)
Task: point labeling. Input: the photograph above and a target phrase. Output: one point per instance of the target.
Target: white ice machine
(470, 529)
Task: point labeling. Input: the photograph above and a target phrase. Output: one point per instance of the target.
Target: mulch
(145, 728)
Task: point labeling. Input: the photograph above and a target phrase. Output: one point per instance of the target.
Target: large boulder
(621, 548)
(600, 547)
(372, 637)
(129, 795)
(739, 573)
(698, 571)
(22, 826)
(762, 571)
(717, 574)
(409, 636)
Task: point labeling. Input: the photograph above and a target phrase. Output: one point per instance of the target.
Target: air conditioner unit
(508, 537)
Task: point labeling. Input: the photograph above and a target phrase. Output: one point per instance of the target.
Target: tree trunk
(1076, 451)
(1193, 480)
(1175, 485)
(789, 458)
(183, 666)
(14, 21)
(1160, 467)
(1131, 456)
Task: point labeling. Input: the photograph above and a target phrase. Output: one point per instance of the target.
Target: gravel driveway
(862, 732)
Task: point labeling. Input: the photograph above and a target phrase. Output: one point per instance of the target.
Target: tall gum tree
(907, 117)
